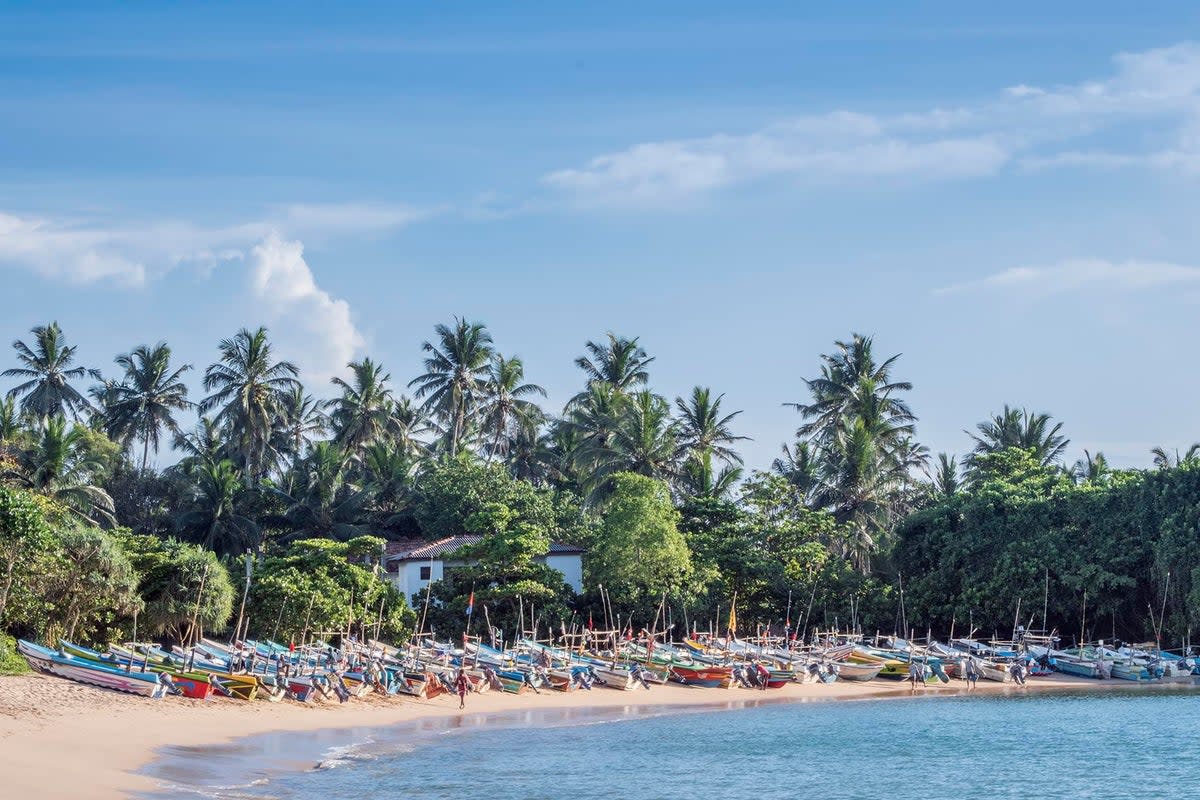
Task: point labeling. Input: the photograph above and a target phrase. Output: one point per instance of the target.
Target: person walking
(462, 686)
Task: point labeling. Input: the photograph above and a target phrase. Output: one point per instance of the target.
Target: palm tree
(389, 477)
(851, 386)
(249, 389)
(1014, 427)
(702, 429)
(621, 363)
(699, 478)
(861, 434)
(300, 420)
(1091, 469)
(325, 503)
(214, 518)
(47, 372)
(505, 412)
(944, 479)
(407, 424)
(455, 380)
(10, 422)
(799, 466)
(63, 466)
(203, 445)
(142, 403)
(643, 441)
(363, 412)
(1164, 460)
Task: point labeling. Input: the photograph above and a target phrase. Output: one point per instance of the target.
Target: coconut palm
(46, 372)
(1020, 428)
(1091, 469)
(389, 480)
(407, 425)
(799, 466)
(506, 411)
(643, 441)
(1165, 460)
(301, 419)
(325, 503)
(944, 478)
(619, 362)
(141, 405)
(63, 466)
(363, 412)
(249, 389)
(853, 385)
(10, 422)
(214, 517)
(702, 428)
(455, 381)
(699, 477)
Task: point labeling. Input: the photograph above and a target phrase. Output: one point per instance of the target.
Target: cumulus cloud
(318, 329)
(1082, 275)
(1156, 91)
(313, 327)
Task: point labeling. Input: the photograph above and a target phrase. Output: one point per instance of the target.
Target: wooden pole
(193, 632)
(245, 591)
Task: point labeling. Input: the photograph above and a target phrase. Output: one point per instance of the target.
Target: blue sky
(1008, 199)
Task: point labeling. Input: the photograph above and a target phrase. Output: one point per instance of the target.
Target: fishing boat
(43, 659)
(700, 675)
(855, 671)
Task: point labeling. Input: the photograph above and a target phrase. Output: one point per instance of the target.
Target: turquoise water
(1080, 745)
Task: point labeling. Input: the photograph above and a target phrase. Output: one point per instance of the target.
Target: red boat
(709, 676)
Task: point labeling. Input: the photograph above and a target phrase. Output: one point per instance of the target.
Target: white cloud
(318, 331)
(1082, 275)
(313, 327)
(1156, 91)
(348, 218)
(838, 146)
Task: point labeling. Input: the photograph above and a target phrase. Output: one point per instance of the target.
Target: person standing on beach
(462, 686)
(972, 673)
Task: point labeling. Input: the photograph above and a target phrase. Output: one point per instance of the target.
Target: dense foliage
(93, 537)
(1094, 557)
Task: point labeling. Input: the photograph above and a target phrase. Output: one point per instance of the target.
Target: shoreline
(57, 737)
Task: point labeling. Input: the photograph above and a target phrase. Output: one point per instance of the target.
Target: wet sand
(61, 739)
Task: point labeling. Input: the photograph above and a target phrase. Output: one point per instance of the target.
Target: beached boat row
(425, 668)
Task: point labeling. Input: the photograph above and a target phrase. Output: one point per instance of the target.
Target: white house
(414, 564)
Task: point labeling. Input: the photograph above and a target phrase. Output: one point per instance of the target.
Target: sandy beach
(58, 737)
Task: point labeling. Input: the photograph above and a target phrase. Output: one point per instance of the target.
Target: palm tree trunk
(145, 451)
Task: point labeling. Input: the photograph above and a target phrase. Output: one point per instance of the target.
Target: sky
(1005, 196)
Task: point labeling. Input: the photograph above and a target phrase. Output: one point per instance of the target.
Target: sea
(1142, 743)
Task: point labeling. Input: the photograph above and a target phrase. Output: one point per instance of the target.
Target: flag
(471, 604)
(591, 627)
(733, 618)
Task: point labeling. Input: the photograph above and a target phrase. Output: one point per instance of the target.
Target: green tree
(1022, 429)
(94, 586)
(454, 384)
(46, 374)
(68, 465)
(142, 404)
(325, 502)
(619, 363)
(249, 391)
(362, 414)
(638, 554)
(704, 429)
(215, 516)
(320, 588)
(179, 583)
(506, 411)
(26, 547)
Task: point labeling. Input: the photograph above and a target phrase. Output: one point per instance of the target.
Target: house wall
(570, 565)
(407, 579)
